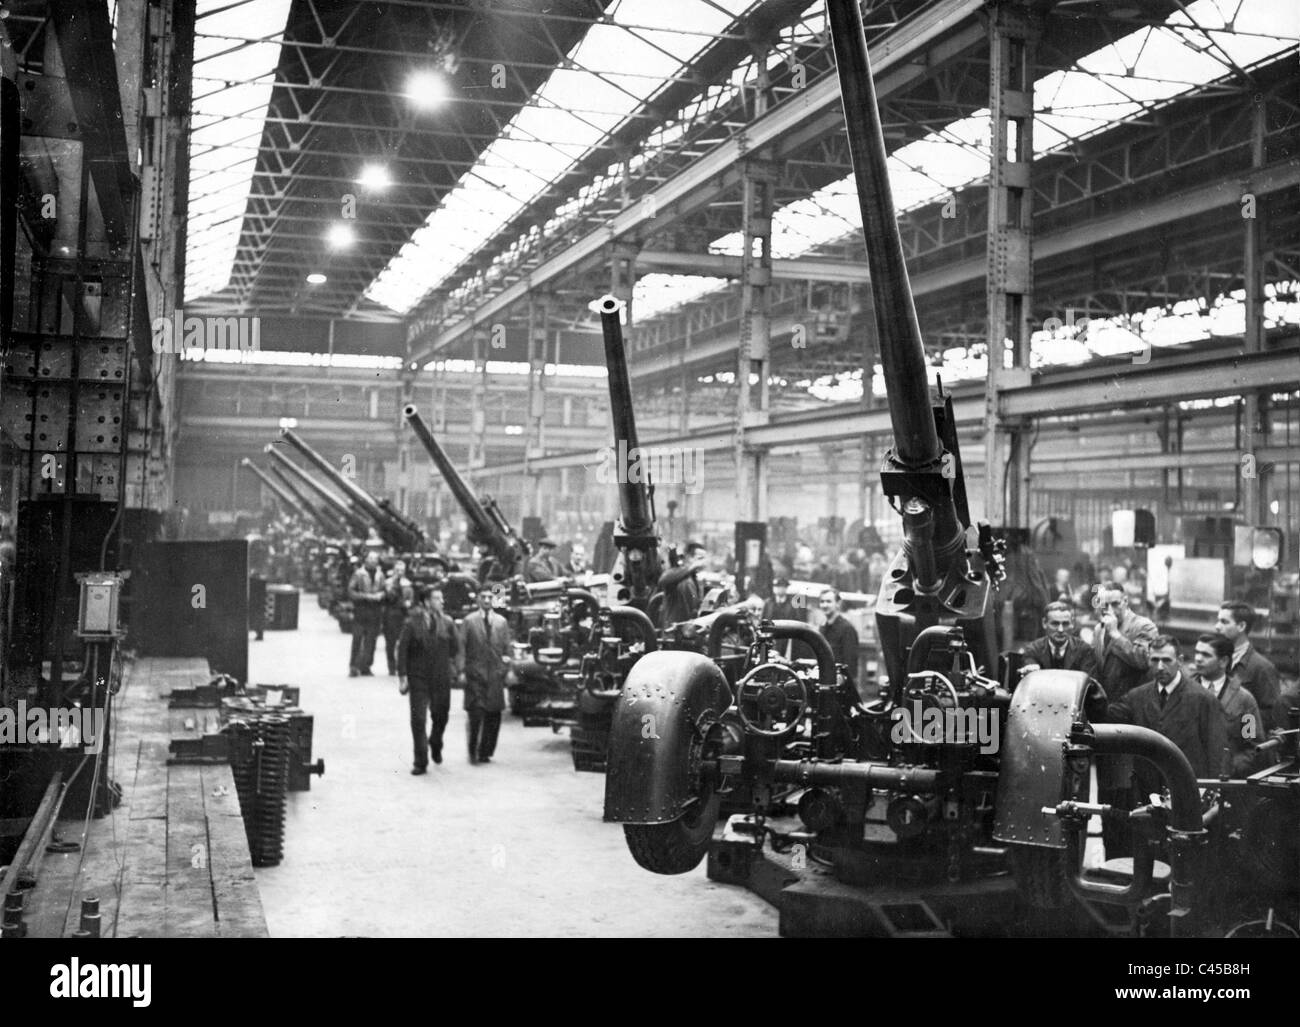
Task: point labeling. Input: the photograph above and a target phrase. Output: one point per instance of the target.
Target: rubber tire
(1040, 876)
(677, 847)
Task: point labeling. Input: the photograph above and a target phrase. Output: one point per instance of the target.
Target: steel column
(1009, 257)
(1254, 404)
(754, 356)
(535, 430)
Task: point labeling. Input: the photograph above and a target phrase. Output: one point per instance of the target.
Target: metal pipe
(902, 354)
(484, 530)
(630, 615)
(350, 517)
(1130, 740)
(873, 775)
(279, 491)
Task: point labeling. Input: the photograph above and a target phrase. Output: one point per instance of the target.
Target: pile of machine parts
(267, 740)
(955, 804)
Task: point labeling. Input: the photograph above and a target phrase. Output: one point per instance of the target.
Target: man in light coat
(486, 647)
(366, 590)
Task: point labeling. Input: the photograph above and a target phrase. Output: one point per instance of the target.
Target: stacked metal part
(261, 772)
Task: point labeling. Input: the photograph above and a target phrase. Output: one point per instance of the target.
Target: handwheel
(771, 700)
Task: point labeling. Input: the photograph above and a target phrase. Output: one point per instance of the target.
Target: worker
(782, 606)
(428, 650)
(1120, 641)
(1255, 673)
(1059, 648)
(394, 607)
(1242, 721)
(837, 631)
(543, 565)
(366, 591)
(681, 587)
(1178, 708)
(577, 565)
(486, 642)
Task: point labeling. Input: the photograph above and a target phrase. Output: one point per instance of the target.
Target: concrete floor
(513, 849)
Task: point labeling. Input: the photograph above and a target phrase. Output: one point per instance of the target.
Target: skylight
(232, 87)
(1140, 70)
(613, 68)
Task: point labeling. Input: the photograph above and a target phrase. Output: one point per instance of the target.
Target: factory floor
(516, 848)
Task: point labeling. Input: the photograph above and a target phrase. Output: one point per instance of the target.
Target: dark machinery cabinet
(191, 599)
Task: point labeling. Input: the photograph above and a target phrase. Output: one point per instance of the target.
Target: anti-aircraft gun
(506, 553)
(400, 532)
(539, 683)
(287, 500)
(638, 565)
(351, 522)
(950, 779)
(602, 641)
(363, 512)
(328, 520)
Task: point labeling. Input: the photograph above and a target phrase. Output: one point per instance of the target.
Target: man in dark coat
(543, 565)
(1180, 709)
(486, 640)
(1242, 720)
(1060, 649)
(781, 606)
(681, 588)
(1255, 673)
(841, 635)
(428, 649)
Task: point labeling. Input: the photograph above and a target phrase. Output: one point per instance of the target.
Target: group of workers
(1215, 708)
(429, 652)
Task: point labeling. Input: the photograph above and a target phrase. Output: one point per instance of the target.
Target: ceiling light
(316, 278)
(426, 89)
(341, 236)
(374, 176)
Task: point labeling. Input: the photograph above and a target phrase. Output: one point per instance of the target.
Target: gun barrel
(323, 516)
(279, 491)
(902, 354)
(634, 497)
(346, 514)
(485, 530)
(391, 528)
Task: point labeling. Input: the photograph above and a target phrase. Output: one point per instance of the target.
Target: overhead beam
(1192, 204)
(1055, 394)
